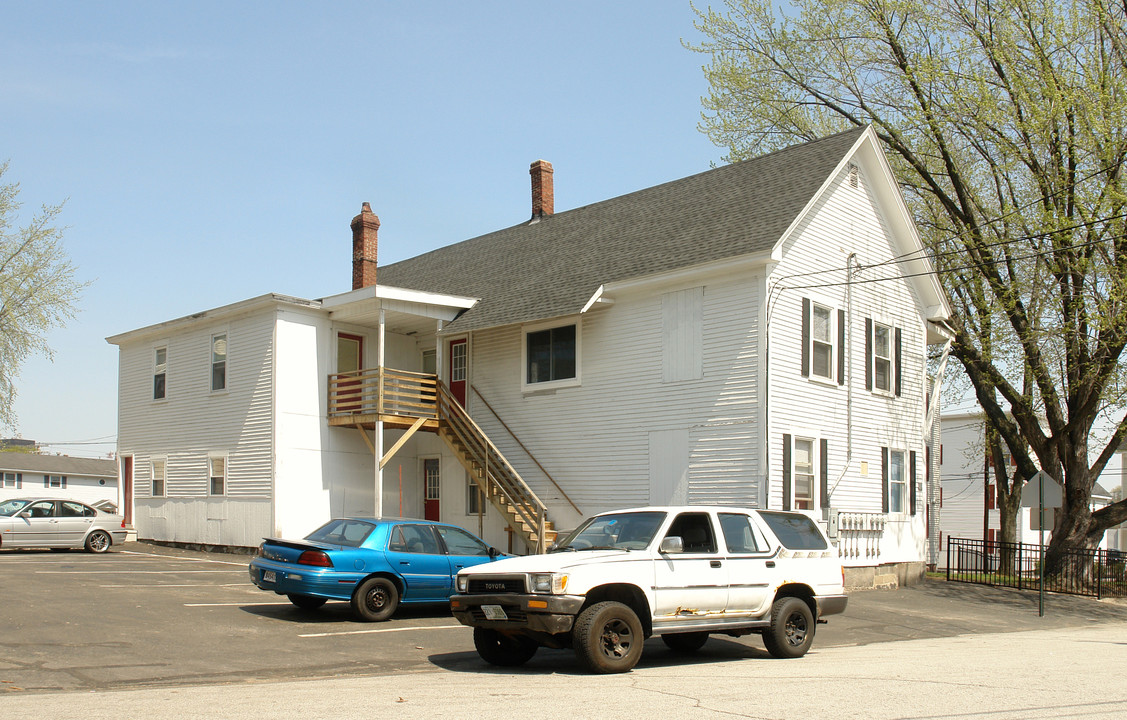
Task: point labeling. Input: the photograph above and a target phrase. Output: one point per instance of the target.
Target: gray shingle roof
(552, 268)
(57, 465)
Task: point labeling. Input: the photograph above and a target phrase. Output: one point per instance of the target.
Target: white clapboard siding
(594, 439)
(193, 423)
(846, 220)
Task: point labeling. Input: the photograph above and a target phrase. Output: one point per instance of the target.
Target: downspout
(848, 379)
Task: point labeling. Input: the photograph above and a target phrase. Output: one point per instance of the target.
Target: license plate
(494, 612)
(269, 576)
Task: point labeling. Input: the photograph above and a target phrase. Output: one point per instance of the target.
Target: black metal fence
(1098, 573)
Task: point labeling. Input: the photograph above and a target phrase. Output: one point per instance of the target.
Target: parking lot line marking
(163, 585)
(381, 630)
(133, 572)
(241, 604)
(174, 557)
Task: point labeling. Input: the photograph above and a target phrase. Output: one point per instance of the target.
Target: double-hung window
(551, 355)
(897, 482)
(882, 358)
(823, 342)
(13, 480)
(160, 371)
(54, 481)
(158, 470)
(219, 362)
(217, 475)
(803, 474)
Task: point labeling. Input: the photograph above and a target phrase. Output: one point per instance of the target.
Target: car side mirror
(494, 553)
(24, 514)
(671, 545)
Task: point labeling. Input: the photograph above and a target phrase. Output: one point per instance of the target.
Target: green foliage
(38, 290)
(1006, 124)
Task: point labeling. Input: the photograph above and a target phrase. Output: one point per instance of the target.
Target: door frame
(437, 512)
(464, 340)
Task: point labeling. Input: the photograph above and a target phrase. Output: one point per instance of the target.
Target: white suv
(678, 572)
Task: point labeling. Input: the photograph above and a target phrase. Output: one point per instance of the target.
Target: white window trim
(226, 474)
(530, 388)
(164, 481)
(815, 448)
(226, 362)
(891, 391)
(832, 379)
(153, 371)
(905, 481)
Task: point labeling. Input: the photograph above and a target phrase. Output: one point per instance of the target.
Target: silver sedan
(58, 524)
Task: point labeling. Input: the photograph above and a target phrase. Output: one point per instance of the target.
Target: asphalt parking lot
(144, 616)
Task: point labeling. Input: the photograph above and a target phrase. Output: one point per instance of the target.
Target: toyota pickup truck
(679, 572)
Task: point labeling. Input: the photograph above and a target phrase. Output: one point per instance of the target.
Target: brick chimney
(364, 229)
(543, 197)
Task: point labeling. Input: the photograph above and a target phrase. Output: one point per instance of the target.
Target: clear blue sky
(210, 152)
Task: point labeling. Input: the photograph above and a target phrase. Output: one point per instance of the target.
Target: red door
(458, 367)
(127, 489)
(431, 485)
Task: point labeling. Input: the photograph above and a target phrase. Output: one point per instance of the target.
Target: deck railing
(383, 391)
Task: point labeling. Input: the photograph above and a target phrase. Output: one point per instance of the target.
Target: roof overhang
(405, 311)
(225, 312)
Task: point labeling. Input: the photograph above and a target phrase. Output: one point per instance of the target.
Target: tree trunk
(1009, 506)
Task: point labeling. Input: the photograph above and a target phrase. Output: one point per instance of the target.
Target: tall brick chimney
(543, 196)
(364, 229)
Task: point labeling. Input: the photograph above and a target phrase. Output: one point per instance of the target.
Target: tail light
(123, 522)
(315, 557)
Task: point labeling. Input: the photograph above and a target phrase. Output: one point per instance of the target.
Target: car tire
(792, 628)
(98, 542)
(375, 600)
(306, 602)
(685, 643)
(608, 638)
(497, 648)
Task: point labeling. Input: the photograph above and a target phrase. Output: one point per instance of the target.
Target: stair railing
(495, 467)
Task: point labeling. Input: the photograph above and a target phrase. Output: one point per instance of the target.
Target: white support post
(379, 423)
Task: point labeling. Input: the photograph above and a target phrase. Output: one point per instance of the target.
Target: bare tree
(38, 290)
(1006, 123)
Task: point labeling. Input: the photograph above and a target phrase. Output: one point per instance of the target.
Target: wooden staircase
(499, 482)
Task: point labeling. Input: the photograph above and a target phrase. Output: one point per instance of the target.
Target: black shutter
(824, 459)
(19, 481)
(64, 481)
(896, 349)
(884, 479)
(786, 473)
(912, 479)
(840, 347)
(46, 481)
(805, 337)
(868, 353)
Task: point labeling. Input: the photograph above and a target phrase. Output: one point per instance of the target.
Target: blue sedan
(375, 564)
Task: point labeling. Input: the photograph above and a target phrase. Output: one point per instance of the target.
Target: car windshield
(795, 532)
(620, 531)
(349, 533)
(11, 507)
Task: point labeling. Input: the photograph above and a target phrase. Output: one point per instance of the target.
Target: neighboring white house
(754, 335)
(32, 475)
(968, 500)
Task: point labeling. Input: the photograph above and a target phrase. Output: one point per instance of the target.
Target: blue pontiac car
(375, 564)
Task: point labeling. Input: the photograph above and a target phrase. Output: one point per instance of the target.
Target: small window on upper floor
(882, 358)
(823, 340)
(160, 370)
(219, 362)
(551, 355)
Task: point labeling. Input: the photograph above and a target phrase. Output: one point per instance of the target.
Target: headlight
(553, 583)
(462, 583)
